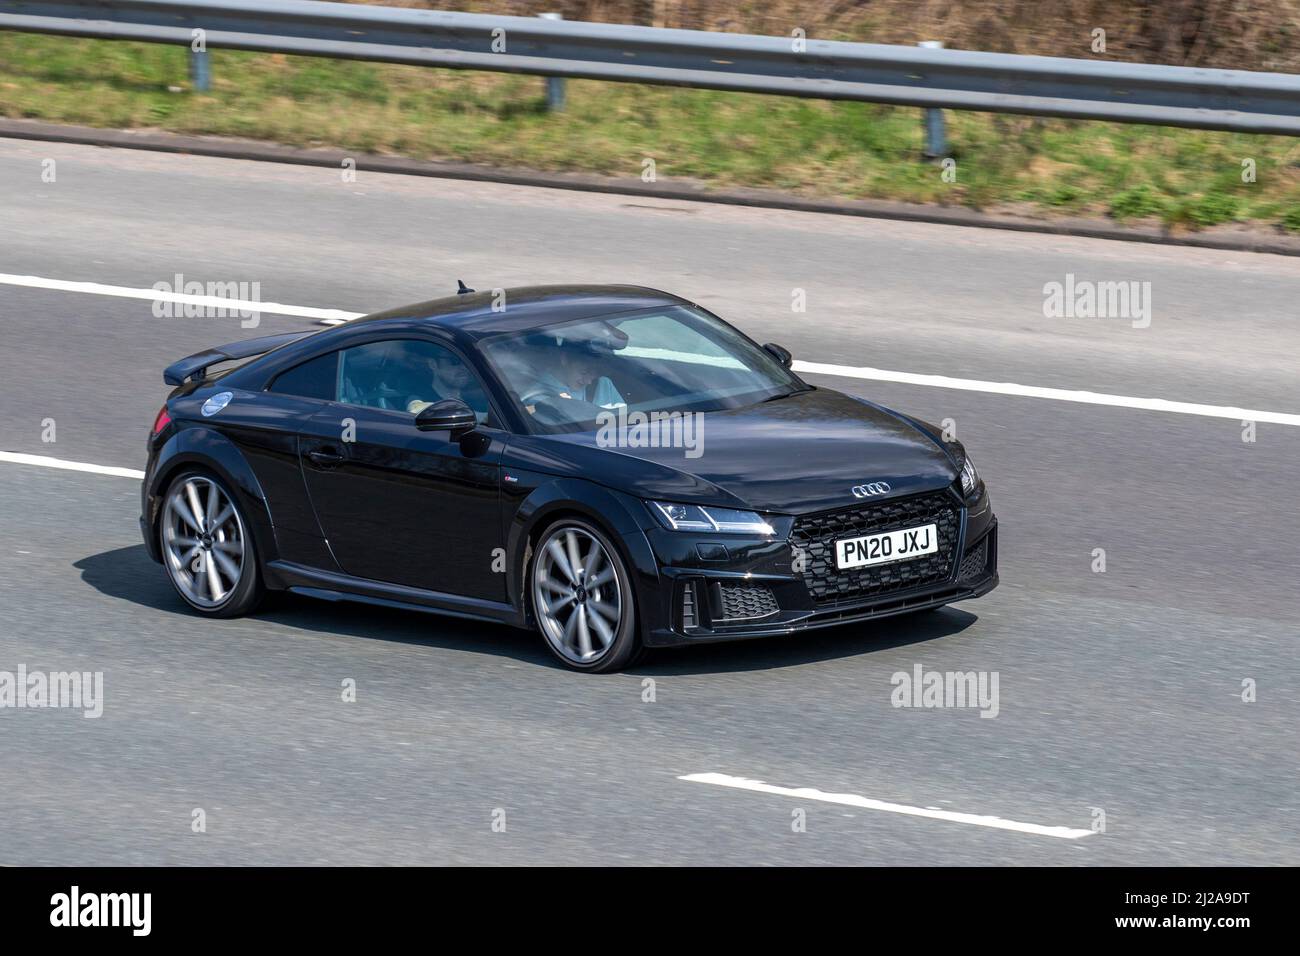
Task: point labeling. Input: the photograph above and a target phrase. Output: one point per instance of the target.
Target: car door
(400, 505)
(268, 434)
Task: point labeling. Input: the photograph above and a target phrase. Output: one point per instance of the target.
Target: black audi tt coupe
(614, 466)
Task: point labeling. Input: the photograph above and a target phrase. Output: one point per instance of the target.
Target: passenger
(450, 378)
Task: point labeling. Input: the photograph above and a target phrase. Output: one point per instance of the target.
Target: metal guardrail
(785, 66)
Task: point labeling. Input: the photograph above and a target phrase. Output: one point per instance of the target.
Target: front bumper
(733, 587)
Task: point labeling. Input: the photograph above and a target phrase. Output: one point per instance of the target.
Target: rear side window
(317, 378)
(407, 375)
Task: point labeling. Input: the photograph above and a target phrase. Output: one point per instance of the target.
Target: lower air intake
(974, 563)
(744, 603)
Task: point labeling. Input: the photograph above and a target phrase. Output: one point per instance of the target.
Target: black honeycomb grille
(815, 535)
(741, 602)
(972, 566)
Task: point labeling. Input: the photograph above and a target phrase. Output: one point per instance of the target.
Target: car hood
(794, 455)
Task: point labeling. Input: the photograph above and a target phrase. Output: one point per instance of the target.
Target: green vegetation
(1187, 179)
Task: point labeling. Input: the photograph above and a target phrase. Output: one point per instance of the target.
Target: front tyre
(206, 547)
(582, 598)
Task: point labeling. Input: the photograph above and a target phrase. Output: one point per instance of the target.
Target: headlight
(677, 517)
(970, 479)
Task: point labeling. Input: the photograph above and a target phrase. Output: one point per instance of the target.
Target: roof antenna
(462, 288)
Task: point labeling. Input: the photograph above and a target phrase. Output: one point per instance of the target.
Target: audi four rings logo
(868, 491)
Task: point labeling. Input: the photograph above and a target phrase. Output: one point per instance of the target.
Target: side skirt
(332, 586)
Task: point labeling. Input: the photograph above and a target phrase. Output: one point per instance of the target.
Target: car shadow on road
(810, 647)
(129, 574)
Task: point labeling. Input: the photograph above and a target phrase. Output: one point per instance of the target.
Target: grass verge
(1186, 179)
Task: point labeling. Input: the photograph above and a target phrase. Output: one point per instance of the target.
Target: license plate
(886, 546)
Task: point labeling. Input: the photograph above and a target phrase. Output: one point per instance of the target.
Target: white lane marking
(42, 461)
(1056, 394)
(338, 317)
(334, 316)
(866, 803)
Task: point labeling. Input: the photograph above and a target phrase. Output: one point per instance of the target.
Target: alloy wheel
(204, 542)
(576, 595)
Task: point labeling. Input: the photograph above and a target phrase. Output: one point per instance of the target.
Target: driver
(449, 378)
(573, 376)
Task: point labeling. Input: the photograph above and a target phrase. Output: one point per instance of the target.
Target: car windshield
(566, 376)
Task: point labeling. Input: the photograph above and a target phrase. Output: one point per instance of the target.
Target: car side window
(315, 378)
(407, 375)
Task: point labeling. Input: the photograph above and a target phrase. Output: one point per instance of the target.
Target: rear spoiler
(196, 366)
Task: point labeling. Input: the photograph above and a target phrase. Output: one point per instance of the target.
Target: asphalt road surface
(1120, 692)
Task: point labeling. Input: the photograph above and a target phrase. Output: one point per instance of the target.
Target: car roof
(466, 318)
(489, 312)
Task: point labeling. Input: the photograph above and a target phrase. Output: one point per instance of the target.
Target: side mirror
(449, 415)
(779, 353)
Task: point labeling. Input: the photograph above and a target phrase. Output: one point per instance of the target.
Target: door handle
(325, 458)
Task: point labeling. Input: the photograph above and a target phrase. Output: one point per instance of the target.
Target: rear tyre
(582, 598)
(207, 548)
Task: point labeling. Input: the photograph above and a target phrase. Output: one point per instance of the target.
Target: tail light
(162, 421)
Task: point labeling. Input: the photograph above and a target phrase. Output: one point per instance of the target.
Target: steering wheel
(546, 411)
(538, 395)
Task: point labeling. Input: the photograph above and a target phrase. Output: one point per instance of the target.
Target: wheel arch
(207, 449)
(615, 514)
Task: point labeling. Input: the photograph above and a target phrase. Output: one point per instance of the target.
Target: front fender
(621, 516)
(198, 446)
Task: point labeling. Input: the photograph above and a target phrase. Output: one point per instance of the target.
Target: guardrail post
(1092, 90)
(554, 84)
(936, 142)
(200, 70)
